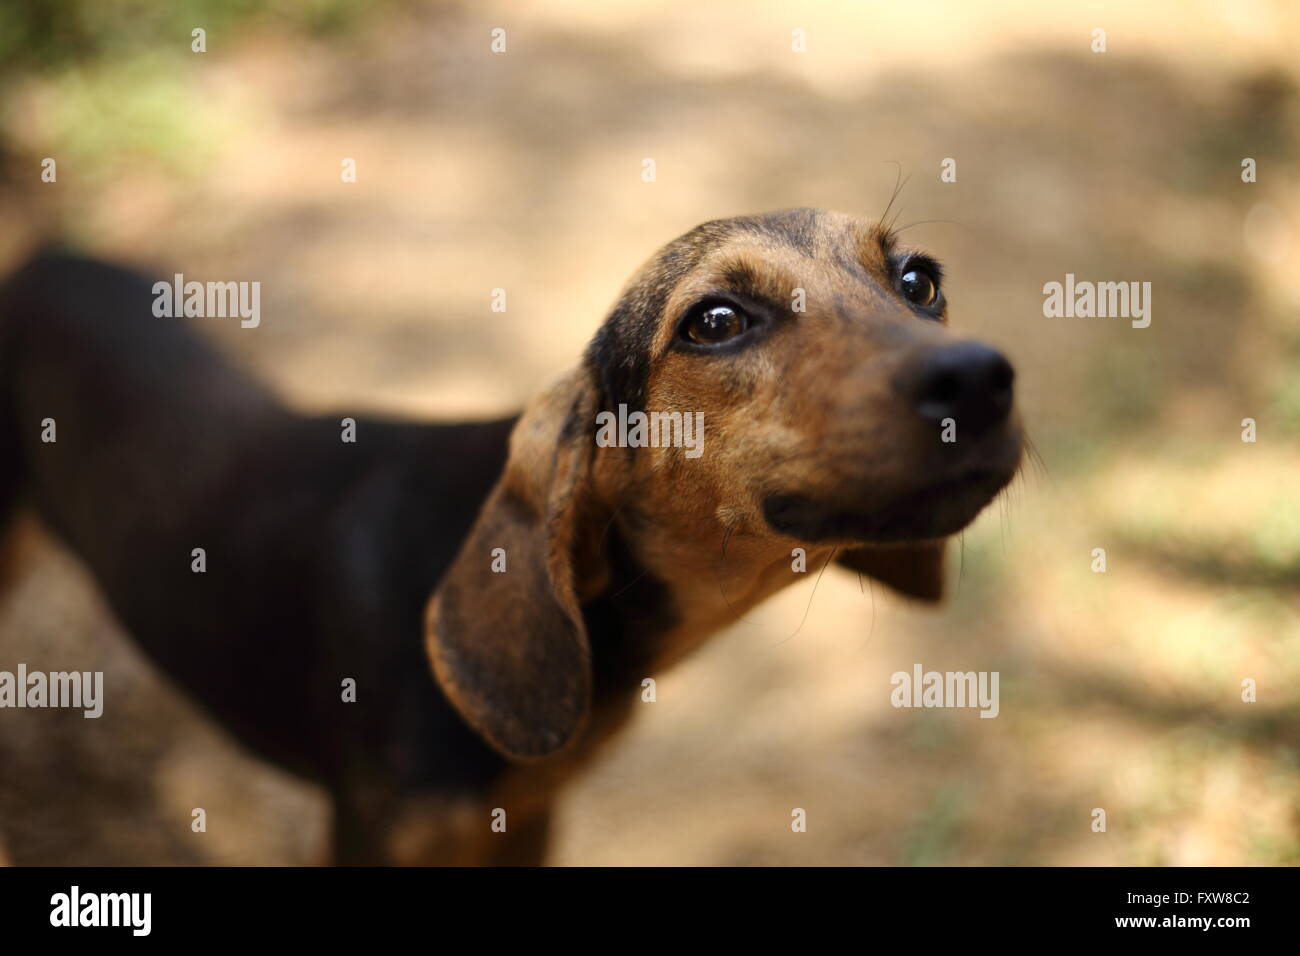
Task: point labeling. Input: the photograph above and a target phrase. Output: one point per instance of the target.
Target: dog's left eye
(714, 324)
(919, 287)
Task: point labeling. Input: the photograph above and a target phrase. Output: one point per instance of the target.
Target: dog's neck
(663, 599)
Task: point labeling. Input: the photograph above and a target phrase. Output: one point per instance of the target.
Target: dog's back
(136, 444)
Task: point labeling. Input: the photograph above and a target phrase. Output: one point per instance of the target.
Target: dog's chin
(923, 513)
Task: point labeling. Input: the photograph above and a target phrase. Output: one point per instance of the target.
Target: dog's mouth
(934, 509)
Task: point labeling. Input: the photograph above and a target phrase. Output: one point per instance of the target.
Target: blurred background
(1119, 690)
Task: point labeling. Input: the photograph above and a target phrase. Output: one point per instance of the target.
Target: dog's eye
(919, 287)
(714, 324)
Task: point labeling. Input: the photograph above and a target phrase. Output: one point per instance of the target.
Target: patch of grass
(116, 80)
(51, 35)
(931, 838)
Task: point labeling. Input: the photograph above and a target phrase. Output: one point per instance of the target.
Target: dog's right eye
(713, 324)
(919, 287)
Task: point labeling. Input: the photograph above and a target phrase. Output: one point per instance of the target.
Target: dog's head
(837, 412)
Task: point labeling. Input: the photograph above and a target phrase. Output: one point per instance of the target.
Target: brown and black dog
(831, 391)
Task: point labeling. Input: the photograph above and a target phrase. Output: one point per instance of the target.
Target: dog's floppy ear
(509, 647)
(914, 570)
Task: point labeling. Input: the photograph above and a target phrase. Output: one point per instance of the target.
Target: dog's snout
(967, 382)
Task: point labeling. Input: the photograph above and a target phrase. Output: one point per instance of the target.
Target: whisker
(810, 597)
(1036, 458)
(871, 631)
(643, 573)
(898, 215)
(898, 187)
(722, 566)
(927, 222)
(961, 562)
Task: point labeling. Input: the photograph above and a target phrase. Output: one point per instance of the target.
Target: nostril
(1001, 379)
(938, 391)
(942, 388)
(1002, 375)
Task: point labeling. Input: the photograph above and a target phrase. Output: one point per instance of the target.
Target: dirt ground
(1119, 690)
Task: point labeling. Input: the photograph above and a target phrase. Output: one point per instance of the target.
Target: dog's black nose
(967, 382)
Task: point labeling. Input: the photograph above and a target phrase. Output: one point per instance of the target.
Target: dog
(495, 592)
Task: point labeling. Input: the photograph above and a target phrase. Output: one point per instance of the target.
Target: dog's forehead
(833, 257)
(816, 236)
